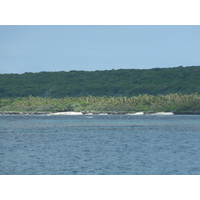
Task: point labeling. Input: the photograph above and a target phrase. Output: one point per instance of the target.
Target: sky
(30, 48)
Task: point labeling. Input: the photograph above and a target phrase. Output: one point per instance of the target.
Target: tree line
(109, 83)
(177, 103)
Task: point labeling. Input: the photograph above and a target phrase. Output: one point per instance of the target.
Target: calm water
(113, 144)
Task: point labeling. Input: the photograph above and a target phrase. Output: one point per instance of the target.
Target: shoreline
(72, 113)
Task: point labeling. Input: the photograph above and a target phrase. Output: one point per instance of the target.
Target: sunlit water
(112, 144)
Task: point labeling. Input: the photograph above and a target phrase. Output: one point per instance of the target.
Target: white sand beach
(67, 113)
(137, 113)
(163, 113)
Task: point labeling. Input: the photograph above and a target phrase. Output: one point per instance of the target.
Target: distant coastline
(122, 91)
(135, 105)
(94, 113)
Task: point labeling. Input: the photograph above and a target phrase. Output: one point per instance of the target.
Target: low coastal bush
(176, 103)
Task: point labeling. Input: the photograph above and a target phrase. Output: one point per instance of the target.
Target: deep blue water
(97, 145)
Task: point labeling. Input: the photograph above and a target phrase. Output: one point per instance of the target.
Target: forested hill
(122, 82)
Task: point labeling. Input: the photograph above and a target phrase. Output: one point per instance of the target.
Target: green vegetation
(125, 90)
(110, 83)
(177, 103)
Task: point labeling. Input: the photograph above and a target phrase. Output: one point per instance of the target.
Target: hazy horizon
(106, 69)
(31, 48)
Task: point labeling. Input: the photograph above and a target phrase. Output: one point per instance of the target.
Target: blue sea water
(100, 145)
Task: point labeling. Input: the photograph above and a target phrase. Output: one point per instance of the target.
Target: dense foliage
(110, 83)
(176, 103)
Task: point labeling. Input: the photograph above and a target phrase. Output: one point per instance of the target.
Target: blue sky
(90, 48)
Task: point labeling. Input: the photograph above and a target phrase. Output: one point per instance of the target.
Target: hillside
(122, 82)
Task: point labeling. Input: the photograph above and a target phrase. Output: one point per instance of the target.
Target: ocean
(100, 145)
